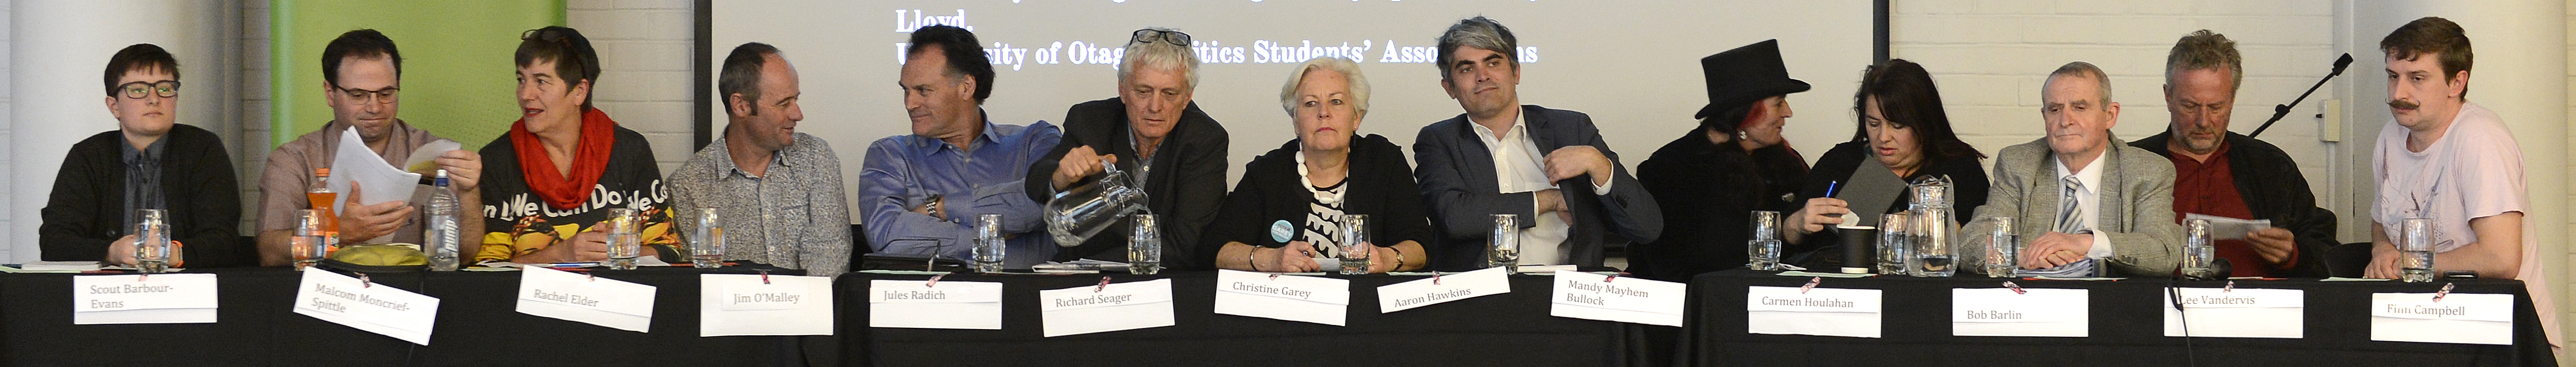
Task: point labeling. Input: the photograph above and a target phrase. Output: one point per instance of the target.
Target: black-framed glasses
(137, 90)
(384, 95)
(1161, 35)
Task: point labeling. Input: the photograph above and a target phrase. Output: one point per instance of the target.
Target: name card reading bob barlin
(139, 299)
(752, 304)
(2236, 313)
(1286, 297)
(1632, 300)
(581, 298)
(1815, 311)
(2022, 312)
(943, 305)
(1444, 288)
(2468, 318)
(375, 308)
(1101, 308)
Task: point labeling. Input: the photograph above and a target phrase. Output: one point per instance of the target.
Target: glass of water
(1894, 242)
(706, 243)
(2003, 251)
(152, 252)
(2196, 250)
(1145, 245)
(989, 246)
(2415, 250)
(625, 238)
(308, 246)
(1504, 247)
(1355, 246)
(1762, 251)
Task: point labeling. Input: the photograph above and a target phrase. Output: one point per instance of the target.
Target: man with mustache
(921, 193)
(776, 191)
(2080, 200)
(2226, 174)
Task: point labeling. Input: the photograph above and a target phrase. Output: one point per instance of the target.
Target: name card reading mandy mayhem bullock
(1633, 300)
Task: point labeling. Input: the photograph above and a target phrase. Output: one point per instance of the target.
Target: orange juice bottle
(322, 198)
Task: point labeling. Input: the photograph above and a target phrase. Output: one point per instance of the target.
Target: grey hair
(2081, 69)
(1158, 55)
(2205, 50)
(1478, 32)
(1349, 69)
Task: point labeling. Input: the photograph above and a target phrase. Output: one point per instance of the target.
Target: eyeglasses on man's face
(137, 90)
(382, 95)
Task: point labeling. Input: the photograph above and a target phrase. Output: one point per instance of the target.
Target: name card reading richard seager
(2004, 312)
(2469, 318)
(376, 308)
(751, 304)
(1286, 297)
(581, 298)
(1633, 300)
(943, 305)
(137, 299)
(1117, 306)
(2236, 313)
(1816, 311)
(1444, 288)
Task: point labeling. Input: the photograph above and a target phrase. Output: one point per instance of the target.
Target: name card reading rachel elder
(942, 305)
(585, 299)
(1443, 288)
(2236, 313)
(137, 299)
(2020, 312)
(1286, 297)
(376, 308)
(1100, 308)
(1600, 297)
(752, 304)
(2470, 318)
(1812, 311)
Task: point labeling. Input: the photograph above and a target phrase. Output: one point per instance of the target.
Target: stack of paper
(2079, 269)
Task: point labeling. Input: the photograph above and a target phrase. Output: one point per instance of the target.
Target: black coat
(85, 212)
(1837, 165)
(1185, 188)
(1708, 192)
(2275, 190)
(1380, 185)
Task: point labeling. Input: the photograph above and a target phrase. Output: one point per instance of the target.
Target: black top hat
(1746, 74)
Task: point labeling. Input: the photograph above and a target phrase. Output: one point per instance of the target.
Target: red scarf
(589, 160)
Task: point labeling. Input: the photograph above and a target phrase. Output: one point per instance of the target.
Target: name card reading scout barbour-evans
(934, 305)
(2470, 318)
(376, 308)
(1442, 288)
(758, 304)
(1286, 297)
(1812, 311)
(1106, 307)
(1623, 299)
(2020, 312)
(140, 299)
(2237, 313)
(586, 299)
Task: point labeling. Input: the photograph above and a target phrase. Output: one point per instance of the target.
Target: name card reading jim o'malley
(141, 299)
(1623, 299)
(2020, 312)
(2468, 318)
(586, 299)
(753, 304)
(1286, 297)
(375, 308)
(934, 305)
(1442, 288)
(1106, 307)
(1812, 311)
(2236, 312)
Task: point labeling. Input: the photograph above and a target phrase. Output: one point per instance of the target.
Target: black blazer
(1837, 165)
(2275, 190)
(1708, 193)
(1457, 177)
(1380, 185)
(1187, 183)
(85, 212)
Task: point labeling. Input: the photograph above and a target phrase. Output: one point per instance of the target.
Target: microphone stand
(2279, 111)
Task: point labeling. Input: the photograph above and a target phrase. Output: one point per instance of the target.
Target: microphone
(2279, 111)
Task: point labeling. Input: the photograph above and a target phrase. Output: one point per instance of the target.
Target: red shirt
(2210, 188)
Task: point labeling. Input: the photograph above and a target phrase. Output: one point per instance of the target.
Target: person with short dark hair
(1152, 132)
(149, 162)
(775, 190)
(921, 193)
(362, 80)
(565, 163)
(2223, 173)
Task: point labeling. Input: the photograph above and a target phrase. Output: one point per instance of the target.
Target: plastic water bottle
(441, 236)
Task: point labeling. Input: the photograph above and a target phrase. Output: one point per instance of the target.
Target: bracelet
(1248, 259)
(1399, 258)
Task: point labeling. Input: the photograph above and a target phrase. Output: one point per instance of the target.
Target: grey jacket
(2136, 211)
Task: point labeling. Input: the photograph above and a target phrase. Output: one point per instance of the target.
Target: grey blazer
(2136, 211)
(1456, 172)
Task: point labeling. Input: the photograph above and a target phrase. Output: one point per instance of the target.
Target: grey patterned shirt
(795, 215)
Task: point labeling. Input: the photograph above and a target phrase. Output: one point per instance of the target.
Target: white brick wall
(6, 103)
(645, 77)
(253, 141)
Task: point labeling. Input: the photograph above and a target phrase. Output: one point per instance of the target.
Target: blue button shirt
(904, 171)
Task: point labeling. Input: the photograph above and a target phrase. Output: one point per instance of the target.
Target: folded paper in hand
(353, 162)
(2224, 228)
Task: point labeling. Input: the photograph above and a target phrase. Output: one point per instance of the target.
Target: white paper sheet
(2468, 318)
(946, 305)
(1632, 300)
(352, 162)
(1817, 311)
(2225, 228)
(1286, 297)
(423, 161)
(581, 298)
(1448, 287)
(742, 304)
(2001, 312)
(139, 299)
(1118, 306)
(2238, 313)
(376, 308)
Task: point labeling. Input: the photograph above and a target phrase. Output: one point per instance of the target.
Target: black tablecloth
(1511, 329)
(2127, 328)
(477, 326)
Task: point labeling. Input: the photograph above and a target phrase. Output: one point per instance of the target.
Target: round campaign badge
(1280, 230)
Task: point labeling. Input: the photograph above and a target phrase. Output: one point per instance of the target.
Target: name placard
(2023, 312)
(1813, 311)
(942, 305)
(582, 298)
(2467, 318)
(1286, 297)
(1104, 308)
(2236, 313)
(375, 308)
(751, 304)
(1632, 300)
(1444, 288)
(138, 299)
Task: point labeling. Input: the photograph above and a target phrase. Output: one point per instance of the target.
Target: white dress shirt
(2088, 208)
(1519, 166)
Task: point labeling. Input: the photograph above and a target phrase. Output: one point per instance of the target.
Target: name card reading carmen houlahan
(1102, 308)
(1441, 289)
(1623, 299)
(140, 299)
(943, 305)
(2469, 318)
(375, 308)
(1812, 311)
(752, 304)
(1286, 297)
(2020, 312)
(586, 299)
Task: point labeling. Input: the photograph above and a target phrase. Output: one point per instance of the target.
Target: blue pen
(1829, 188)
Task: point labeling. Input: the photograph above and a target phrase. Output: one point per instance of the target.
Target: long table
(2127, 328)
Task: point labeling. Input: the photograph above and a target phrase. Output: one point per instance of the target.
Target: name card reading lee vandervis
(581, 298)
(1444, 288)
(1117, 306)
(2007, 312)
(2469, 318)
(137, 299)
(1286, 297)
(2237, 313)
(1632, 300)
(944, 305)
(752, 304)
(1817, 311)
(376, 308)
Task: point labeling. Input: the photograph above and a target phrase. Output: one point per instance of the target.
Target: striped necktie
(2067, 220)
